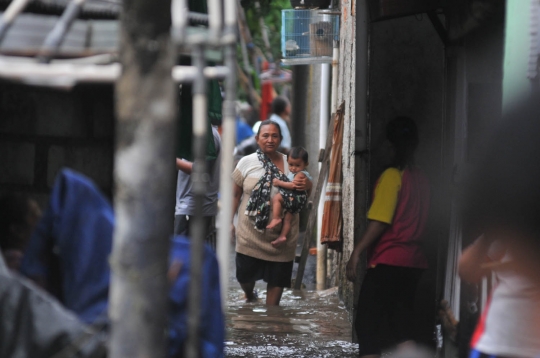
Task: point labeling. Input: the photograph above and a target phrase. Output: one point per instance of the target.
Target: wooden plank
(315, 198)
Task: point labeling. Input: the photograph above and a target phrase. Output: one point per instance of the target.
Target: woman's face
(268, 138)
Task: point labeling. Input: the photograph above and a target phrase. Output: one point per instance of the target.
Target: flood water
(306, 324)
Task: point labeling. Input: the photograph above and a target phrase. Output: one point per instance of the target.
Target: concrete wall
(43, 130)
(346, 93)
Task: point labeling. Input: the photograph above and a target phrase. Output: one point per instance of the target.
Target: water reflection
(307, 324)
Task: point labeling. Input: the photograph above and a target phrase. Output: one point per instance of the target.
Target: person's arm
(301, 182)
(237, 195)
(374, 230)
(471, 266)
(184, 165)
(283, 184)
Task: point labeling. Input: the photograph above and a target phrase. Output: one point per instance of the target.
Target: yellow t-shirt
(386, 194)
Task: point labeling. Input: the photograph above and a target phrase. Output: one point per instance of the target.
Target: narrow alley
(308, 323)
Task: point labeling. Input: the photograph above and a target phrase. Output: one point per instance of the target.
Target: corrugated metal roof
(27, 35)
(92, 9)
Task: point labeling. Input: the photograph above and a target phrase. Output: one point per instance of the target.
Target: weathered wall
(43, 130)
(346, 93)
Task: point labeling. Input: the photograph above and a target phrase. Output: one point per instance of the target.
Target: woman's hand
(374, 230)
(301, 183)
(233, 234)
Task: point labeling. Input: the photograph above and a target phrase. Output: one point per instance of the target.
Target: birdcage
(308, 35)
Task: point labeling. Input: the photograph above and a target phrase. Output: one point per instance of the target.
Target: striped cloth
(332, 220)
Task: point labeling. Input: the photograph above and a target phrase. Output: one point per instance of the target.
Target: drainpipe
(323, 131)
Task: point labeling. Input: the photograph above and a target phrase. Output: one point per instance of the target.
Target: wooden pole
(145, 181)
(315, 198)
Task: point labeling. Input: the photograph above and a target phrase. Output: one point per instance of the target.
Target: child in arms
(288, 198)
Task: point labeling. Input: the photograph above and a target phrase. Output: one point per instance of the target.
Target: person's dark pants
(386, 291)
(182, 225)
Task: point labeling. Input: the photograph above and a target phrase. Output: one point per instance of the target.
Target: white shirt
(512, 319)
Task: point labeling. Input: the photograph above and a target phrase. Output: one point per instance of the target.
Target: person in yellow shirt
(397, 220)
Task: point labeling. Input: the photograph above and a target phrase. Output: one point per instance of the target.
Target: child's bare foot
(279, 241)
(273, 223)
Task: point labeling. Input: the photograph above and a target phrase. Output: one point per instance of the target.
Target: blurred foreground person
(510, 323)
(69, 252)
(393, 238)
(19, 215)
(503, 203)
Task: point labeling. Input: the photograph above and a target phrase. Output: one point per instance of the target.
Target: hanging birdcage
(307, 36)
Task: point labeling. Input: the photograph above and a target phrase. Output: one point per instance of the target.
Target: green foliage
(271, 13)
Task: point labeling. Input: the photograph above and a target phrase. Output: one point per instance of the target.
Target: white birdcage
(308, 35)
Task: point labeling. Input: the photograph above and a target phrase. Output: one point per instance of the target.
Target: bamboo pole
(7, 19)
(315, 199)
(145, 182)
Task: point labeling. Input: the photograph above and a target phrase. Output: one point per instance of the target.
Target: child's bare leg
(276, 211)
(284, 230)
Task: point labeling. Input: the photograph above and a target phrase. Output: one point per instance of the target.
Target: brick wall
(43, 130)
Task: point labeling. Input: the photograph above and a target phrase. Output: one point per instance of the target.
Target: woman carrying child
(256, 258)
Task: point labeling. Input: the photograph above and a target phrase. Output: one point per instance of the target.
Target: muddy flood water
(306, 324)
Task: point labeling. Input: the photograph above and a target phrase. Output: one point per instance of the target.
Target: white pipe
(333, 108)
(230, 13)
(14, 9)
(335, 62)
(215, 21)
(65, 73)
(323, 132)
(179, 18)
(227, 146)
(226, 200)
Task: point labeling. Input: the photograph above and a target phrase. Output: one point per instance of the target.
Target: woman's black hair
(279, 104)
(403, 134)
(14, 209)
(267, 123)
(298, 153)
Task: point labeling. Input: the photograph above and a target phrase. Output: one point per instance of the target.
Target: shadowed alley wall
(43, 130)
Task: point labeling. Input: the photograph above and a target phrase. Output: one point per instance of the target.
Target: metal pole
(14, 9)
(227, 147)
(179, 15)
(335, 63)
(54, 39)
(199, 179)
(333, 108)
(323, 129)
(215, 22)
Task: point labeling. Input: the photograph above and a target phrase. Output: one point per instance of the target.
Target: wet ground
(306, 324)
